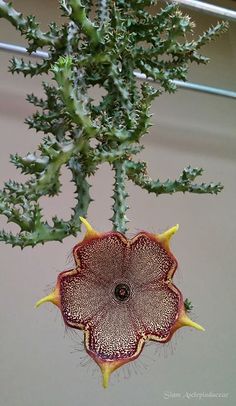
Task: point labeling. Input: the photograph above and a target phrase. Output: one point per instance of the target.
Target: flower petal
(103, 257)
(156, 307)
(81, 298)
(113, 335)
(149, 260)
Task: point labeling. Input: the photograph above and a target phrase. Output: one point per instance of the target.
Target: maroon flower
(121, 294)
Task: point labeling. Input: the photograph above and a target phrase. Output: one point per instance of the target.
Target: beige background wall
(38, 362)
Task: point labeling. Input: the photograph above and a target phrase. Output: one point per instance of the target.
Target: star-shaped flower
(121, 294)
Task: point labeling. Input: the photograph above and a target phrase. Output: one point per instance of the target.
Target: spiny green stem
(137, 173)
(78, 15)
(46, 180)
(101, 154)
(64, 76)
(120, 195)
(103, 50)
(13, 16)
(82, 193)
(46, 233)
(27, 27)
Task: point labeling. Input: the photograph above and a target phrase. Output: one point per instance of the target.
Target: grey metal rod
(201, 6)
(195, 87)
(206, 89)
(16, 49)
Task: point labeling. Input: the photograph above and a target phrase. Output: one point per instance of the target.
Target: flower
(120, 293)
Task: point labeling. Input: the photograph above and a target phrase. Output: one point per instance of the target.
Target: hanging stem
(120, 207)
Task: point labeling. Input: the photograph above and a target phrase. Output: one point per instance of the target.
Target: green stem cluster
(80, 134)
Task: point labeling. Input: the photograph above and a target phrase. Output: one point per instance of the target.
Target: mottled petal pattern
(103, 257)
(148, 260)
(156, 306)
(113, 333)
(81, 298)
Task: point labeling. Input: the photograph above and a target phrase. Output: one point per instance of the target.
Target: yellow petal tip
(165, 237)
(52, 297)
(186, 321)
(107, 367)
(105, 378)
(90, 232)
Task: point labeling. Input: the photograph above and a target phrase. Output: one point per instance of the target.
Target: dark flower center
(122, 292)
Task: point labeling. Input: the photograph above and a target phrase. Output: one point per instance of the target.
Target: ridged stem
(120, 195)
(78, 15)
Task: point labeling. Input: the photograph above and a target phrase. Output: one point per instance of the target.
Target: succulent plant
(120, 291)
